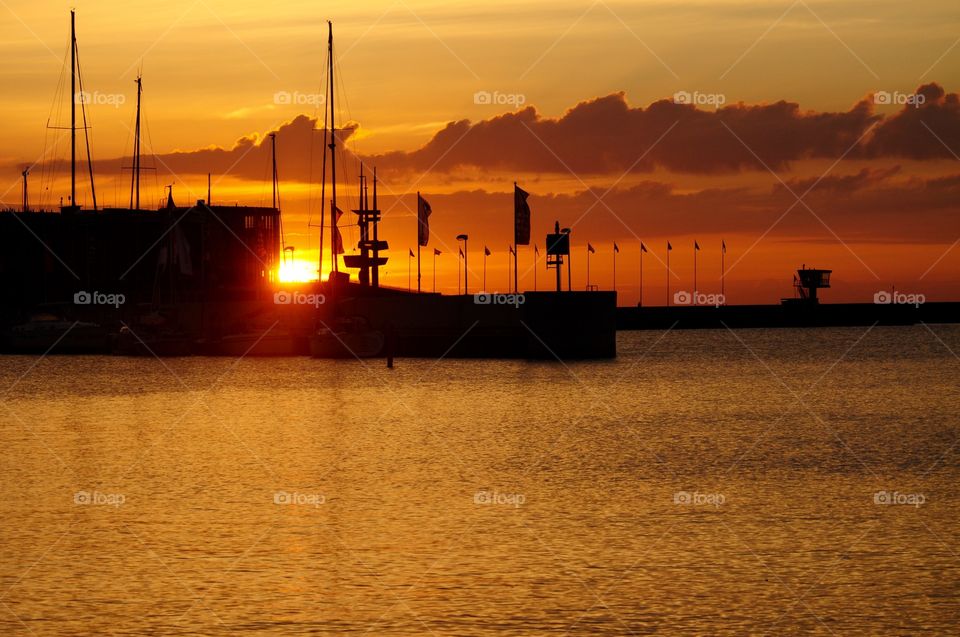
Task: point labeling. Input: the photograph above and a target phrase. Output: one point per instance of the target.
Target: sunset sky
(801, 164)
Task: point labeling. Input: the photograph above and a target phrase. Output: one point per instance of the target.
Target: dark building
(171, 256)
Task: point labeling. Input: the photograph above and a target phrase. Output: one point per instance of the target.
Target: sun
(297, 271)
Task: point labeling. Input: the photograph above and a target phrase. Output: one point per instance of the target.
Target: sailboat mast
(73, 108)
(333, 153)
(135, 179)
(273, 149)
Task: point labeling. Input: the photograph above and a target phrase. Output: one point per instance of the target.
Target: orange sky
(881, 215)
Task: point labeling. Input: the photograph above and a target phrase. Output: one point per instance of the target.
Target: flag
(643, 248)
(411, 253)
(486, 251)
(536, 250)
(337, 237)
(511, 249)
(436, 252)
(590, 248)
(423, 220)
(669, 247)
(616, 248)
(521, 216)
(723, 246)
(696, 246)
(461, 253)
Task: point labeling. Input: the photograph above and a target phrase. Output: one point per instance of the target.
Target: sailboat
(348, 336)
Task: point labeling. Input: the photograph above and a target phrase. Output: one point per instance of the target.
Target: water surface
(704, 482)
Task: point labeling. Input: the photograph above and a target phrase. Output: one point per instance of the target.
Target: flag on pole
(521, 216)
(423, 219)
(337, 237)
(696, 246)
(643, 248)
(616, 248)
(536, 250)
(590, 248)
(723, 246)
(486, 251)
(461, 252)
(411, 253)
(669, 247)
(436, 252)
(511, 249)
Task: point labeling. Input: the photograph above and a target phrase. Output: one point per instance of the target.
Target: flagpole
(509, 280)
(588, 266)
(641, 275)
(409, 287)
(668, 274)
(458, 275)
(418, 241)
(614, 267)
(484, 268)
(694, 272)
(516, 287)
(723, 254)
(434, 271)
(535, 259)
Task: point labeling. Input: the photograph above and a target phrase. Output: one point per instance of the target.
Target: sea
(705, 482)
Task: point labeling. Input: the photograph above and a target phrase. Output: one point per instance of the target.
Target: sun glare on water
(297, 271)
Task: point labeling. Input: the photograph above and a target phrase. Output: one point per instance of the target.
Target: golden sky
(212, 70)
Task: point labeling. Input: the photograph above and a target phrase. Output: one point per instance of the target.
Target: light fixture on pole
(464, 237)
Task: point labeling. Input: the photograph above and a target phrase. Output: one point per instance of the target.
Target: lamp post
(463, 237)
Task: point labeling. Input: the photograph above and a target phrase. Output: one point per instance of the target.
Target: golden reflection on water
(702, 483)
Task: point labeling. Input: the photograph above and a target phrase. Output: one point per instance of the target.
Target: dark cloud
(299, 153)
(606, 136)
(865, 178)
(930, 130)
(866, 206)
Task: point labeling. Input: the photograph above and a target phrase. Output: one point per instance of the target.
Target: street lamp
(463, 237)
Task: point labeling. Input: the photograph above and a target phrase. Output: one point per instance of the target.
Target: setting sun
(297, 271)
